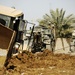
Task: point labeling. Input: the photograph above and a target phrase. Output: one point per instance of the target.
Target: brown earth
(41, 63)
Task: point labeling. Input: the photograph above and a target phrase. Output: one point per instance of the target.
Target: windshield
(5, 19)
(22, 25)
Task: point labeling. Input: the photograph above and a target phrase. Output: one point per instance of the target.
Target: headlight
(16, 46)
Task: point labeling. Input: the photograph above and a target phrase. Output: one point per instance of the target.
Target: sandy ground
(40, 63)
(61, 62)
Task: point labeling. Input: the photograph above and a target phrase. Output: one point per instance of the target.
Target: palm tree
(62, 24)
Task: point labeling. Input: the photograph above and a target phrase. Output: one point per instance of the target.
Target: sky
(35, 9)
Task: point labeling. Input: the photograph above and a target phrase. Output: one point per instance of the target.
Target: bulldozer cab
(13, 19)
(9, 14)
(11, 31)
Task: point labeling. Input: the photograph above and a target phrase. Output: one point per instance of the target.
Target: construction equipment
(30, 34)
(35, 42)
(43, 38)
(12, 27)
(37, 45)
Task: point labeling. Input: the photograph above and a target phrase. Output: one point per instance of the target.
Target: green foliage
(62, 24)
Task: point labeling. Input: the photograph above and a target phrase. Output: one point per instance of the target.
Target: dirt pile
(40, 63)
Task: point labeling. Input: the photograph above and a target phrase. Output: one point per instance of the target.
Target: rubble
(44, 63)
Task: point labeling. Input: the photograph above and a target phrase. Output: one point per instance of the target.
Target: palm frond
(69, 16)
(69, 21)
(57, 12)
(53, 15)
(62, 17)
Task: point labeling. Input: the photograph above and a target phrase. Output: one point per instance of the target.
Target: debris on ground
(40, 63)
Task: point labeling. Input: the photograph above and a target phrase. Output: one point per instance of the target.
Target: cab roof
(10, 11)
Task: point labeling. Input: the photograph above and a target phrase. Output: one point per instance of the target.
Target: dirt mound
(40, 63)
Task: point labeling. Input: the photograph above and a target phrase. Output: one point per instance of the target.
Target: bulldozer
(35, 40)
(12, 27)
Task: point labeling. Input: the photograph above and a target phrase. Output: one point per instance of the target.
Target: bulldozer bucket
(7, 37)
